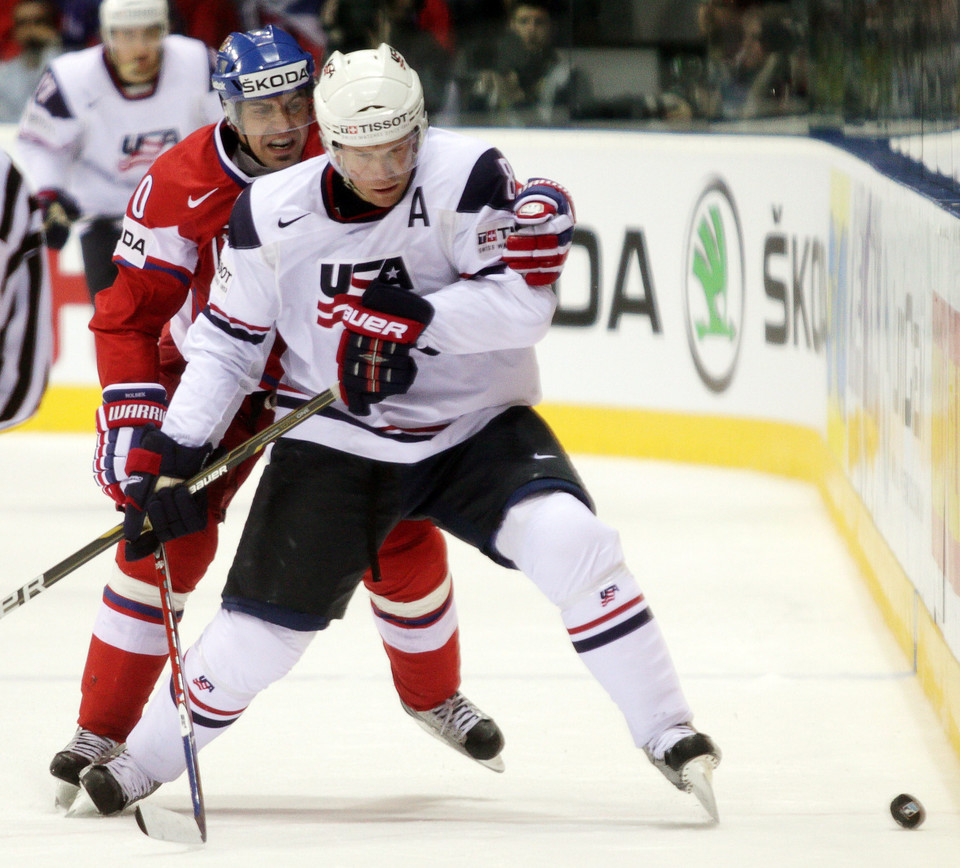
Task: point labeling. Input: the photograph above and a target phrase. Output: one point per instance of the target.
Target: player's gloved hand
(539, 245)
(129, 409)
(155, 468)
(58, 211)
(374, 354)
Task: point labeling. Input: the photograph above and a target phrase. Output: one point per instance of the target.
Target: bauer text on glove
(374, 354)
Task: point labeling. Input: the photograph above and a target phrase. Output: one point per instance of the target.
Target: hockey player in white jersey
(99, 117)
(174, 230)
(380, 265)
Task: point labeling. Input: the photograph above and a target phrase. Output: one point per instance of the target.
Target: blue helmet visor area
(265, 81)
(269, 115)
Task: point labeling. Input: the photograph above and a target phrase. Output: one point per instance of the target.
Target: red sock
(116, 685)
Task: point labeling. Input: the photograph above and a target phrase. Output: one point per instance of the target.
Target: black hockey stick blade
(167, 825)
(209, 474)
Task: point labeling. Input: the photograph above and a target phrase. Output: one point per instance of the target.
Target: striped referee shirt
(26, 326)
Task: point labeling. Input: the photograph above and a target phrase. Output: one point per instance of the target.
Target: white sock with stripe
(235, 658)
(577, 561)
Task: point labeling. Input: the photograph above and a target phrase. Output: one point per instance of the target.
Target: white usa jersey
(301, 245)
(80, 133)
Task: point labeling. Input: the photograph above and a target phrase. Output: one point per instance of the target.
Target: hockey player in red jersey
(381, 263)
(169, 251)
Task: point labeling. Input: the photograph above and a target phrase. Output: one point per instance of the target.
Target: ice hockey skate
(460, 724)
(113, 784)
(687, 759)
(83, 749)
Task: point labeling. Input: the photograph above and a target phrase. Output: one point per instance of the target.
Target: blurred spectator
(755, 64)
(37, 33)
(768, 68)
(434, 17)
(210, 21)
(79, 23)
(398, 25)
(520, 76)
(475, 20)
(302, 19)
(352, 25)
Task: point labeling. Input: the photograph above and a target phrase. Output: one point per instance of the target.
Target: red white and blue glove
(128, 410)
(539, 245)
(374, 354)
(58, 211)
(155, 469)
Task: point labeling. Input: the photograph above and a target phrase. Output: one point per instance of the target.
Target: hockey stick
(210, 474)
(158, 822)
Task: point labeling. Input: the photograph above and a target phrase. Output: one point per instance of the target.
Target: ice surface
(779, 646)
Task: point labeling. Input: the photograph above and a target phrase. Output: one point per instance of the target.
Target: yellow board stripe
(65, 409)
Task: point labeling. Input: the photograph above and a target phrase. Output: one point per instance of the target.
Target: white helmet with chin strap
(368, 97)
(126, 14)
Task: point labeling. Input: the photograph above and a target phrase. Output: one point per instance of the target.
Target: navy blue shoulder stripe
(243, 234)
(49, 96)
(487, 185)
(236, 331)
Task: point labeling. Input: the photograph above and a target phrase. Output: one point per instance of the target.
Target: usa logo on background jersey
(144, 148)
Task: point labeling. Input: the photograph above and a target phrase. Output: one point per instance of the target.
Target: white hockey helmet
(126, 14)
(368, 97)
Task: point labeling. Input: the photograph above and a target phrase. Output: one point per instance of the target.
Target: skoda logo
(713, 286)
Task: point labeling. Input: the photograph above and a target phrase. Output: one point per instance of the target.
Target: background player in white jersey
(99, 117)
(174, 228)
(380, 265)
(26, 329)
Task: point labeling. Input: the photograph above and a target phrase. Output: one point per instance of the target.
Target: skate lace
(456, 714)
(132, 779)
(89, 745)
(658, 748)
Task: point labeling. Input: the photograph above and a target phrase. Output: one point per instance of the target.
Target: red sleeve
(128, 321)
(181, 205)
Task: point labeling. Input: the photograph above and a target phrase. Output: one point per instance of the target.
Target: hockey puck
(907, 811)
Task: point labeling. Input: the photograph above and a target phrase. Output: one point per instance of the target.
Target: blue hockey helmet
(260, 65)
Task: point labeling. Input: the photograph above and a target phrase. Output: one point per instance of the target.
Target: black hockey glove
(374, 354)
(59, 211)
(173, 511)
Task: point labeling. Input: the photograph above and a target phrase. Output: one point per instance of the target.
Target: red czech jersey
(173, 231)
